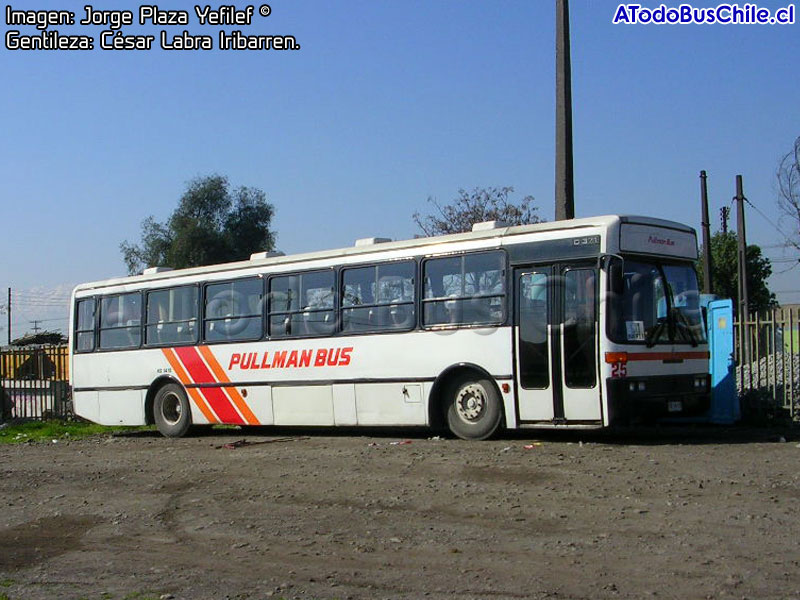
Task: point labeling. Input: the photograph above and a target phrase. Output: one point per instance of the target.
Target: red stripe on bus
(180, 372)
(216, 397)
(667, 355)
(232, 392)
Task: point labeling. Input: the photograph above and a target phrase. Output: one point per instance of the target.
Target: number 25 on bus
(584, 323)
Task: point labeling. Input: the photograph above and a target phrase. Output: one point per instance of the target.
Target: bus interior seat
(401, 316)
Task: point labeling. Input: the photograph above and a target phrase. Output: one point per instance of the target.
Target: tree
(481, 204)
(212, 224)
(724, 248)
(788, 176)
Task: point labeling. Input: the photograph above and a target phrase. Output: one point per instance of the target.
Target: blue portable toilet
(725, 407)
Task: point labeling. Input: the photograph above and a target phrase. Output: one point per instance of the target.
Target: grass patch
(7, 582)
(47, 431)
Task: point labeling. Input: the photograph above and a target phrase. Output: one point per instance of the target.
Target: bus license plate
(675, 406)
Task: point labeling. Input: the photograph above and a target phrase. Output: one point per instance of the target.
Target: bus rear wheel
(474, 411)
(171, 411)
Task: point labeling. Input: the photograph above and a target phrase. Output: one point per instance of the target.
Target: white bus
(584, 323)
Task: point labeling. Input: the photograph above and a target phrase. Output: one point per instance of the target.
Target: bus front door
(556, 344)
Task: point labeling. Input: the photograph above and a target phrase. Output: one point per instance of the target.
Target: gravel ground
(670, 513)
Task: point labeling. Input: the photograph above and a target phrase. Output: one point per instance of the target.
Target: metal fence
(768, 362)
(35, 383)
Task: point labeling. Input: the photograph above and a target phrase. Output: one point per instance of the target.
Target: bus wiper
(653, 335)
(685, 327)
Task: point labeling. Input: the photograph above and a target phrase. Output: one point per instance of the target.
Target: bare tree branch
(788, 176)
(481, 204)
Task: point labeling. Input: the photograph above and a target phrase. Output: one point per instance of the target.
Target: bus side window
(232, 310)
(302, 305)
(318, 290)
(120, 321)
(378, 298)
(358, 295)
(468, 290)
(84, 325)
(171, 316)
(284, 298)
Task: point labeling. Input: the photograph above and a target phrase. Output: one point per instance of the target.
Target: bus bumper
(637, 399)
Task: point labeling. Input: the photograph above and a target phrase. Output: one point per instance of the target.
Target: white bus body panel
(344, 404)
(307, 405)
(389, 376)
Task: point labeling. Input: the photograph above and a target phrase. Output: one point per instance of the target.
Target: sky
(385, 105)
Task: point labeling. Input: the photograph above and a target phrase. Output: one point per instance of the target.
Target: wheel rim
(171, 409)
(471, 403)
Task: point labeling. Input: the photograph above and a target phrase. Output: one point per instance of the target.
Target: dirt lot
(689, 513)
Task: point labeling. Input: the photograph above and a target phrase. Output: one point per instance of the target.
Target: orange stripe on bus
(179, 371)
(234, 394)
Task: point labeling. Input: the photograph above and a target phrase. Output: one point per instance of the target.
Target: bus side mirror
(604, 261)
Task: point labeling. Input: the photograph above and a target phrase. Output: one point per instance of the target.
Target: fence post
(793, 357)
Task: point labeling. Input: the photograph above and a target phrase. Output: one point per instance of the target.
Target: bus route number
(619, 370)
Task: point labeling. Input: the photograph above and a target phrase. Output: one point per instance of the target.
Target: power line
(63, 319)
(39, 298)
(40, 306)
(26, 305)
(42, 293)
(789, 241)
(783, 260)
(40, 301)
(772, 246)
(47, 295)
(787, 269)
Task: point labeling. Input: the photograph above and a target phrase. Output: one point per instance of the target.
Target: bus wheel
(475, 411)
(171, 411)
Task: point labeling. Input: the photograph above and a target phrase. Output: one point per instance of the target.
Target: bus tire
(171, 411)
(474, 409)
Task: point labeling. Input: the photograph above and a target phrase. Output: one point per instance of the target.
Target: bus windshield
(655, 303)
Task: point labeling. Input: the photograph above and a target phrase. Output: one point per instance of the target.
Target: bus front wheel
(474, 411)
(171, 411)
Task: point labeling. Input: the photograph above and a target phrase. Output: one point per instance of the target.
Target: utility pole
(565, 193)
(744, 305)
(9, 316)
(707, 262)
